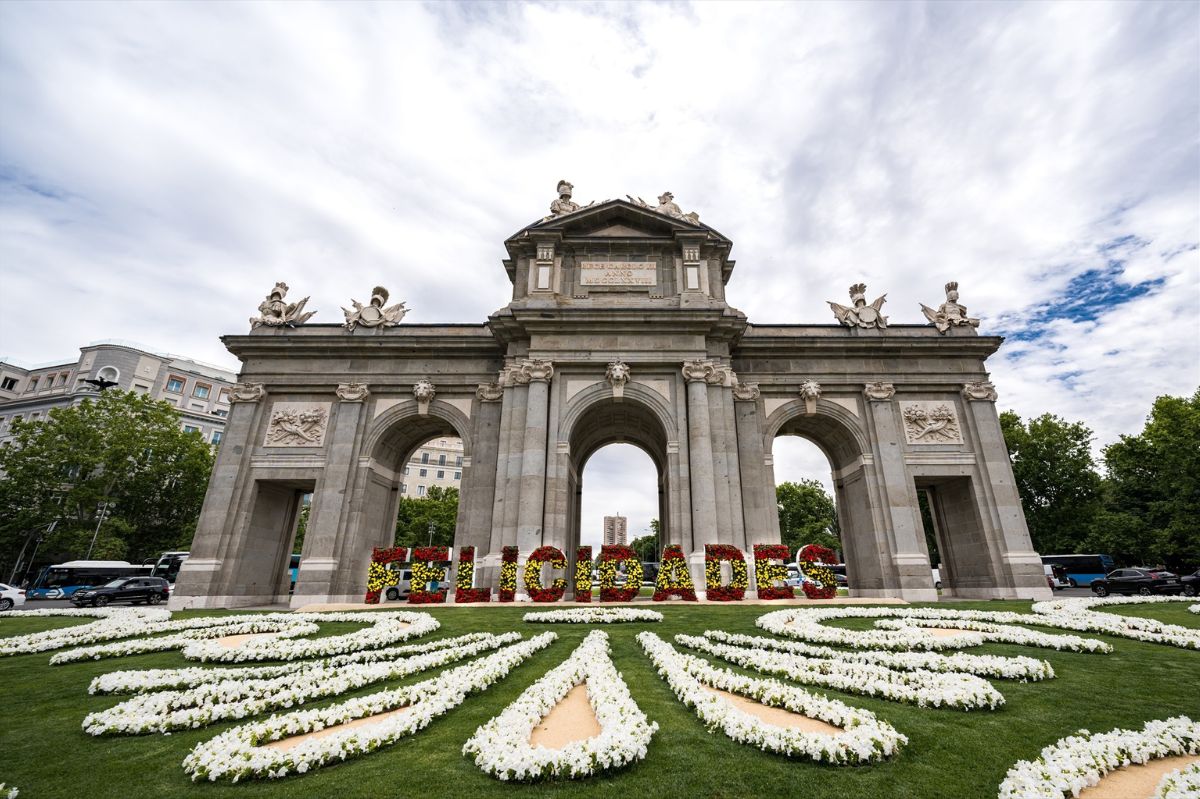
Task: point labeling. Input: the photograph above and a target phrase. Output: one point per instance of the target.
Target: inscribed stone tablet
(618, 273)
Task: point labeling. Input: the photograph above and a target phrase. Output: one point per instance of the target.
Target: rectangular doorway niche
(261, 574)
(966, 562)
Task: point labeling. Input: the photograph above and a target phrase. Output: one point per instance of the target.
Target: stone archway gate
(618, 330)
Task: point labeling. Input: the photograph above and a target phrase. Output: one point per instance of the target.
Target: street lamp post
(99, 521)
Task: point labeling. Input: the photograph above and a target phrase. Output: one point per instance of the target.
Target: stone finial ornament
(247, 392)
(667, 207)
(949, 314)
(745, 392)
(617, 375)
(698, 370)
(274, 312)
(861, 314)
(374, 314)
(879, 391)
(423, 393)
(489, 392)
(352, 392)
(810, 392)
(982, 391)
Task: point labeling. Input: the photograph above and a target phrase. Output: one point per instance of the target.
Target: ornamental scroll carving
(352, 392)
(745, 392)
(982, 391)
(297, 424)
(810, 392)
(489, 392)
(534, 370)
(879, 391)
(617, 375)
(247, 392)
(699, 370)
(930, 423)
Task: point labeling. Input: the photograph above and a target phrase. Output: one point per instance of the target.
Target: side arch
(835, 430)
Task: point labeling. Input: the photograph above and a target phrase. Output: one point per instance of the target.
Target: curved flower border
(866, 738)
(1181, 783)
(501, 747)
(1079, 761)
(592, 616)
(240, 752)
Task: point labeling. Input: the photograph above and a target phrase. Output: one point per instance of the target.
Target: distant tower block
(614, 530)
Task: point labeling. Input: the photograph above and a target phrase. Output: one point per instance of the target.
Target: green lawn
(951, 754)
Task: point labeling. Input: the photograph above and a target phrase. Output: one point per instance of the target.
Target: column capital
(247, 392)
(533, 370)
(982, 391)
(745, 392)
(489, 392)
(352, 392)
(879, 391)
(698, 370)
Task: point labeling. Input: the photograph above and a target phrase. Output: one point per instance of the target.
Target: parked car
(794, 577)
(1137, 581)
(1191, 583)
(11, 597)
(398, 592)
(136, 590)
(1056, 576)
(937, 579)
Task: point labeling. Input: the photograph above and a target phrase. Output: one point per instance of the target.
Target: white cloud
(161, 166)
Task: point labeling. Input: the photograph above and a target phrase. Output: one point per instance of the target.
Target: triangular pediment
(616, 219)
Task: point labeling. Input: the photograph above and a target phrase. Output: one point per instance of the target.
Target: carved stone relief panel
(297, 424)
(931, 422)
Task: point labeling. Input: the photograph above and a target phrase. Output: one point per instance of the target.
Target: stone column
(756, 488)
(318, 561)
(513, 454)
(700, 465)
(533, 454)
(1021, 564)
(909, 556)
(198, 583)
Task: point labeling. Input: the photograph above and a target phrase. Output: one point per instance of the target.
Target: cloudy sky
(162, 165)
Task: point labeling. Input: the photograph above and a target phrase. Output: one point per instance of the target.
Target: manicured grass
(951, 754)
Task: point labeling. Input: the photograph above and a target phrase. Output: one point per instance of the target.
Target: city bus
(1081, 569)
(61, 580)
(167, 565)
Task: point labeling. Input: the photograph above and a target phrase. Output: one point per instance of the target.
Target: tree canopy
(121, 456)
(807, 515)
(439, 507)
(646, 547)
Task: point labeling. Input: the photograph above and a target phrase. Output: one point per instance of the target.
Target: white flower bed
(1001, 634)
(501, 746)
(150, 614)
(239, 698)
(1182, 783)
(1020, 668)
(385, 629)
(143, 681)
(1078, 613)
(1079, 761)
(111, 624)
(866, 739)
(240, 752)
(248, 625)
(592, 616)
(919, 687)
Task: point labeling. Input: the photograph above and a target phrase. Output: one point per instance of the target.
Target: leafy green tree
(1056, 478)
(646, 547)
(1152, 502)
(439, 508)
(807, 515)
(119, 463)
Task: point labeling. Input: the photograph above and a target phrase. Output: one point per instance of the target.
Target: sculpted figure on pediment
(374, 314)
(861, 314)
(950, 313)
(274, 311)
(667, 207)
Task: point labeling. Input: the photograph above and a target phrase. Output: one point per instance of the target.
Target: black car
(137, 590)
(1191, 583)
(1137, 581)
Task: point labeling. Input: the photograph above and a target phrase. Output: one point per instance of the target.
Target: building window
(9, 384)
(220, 412)
(406, 470)
(458, 475)
(109, 373)
(201, 391)
(141, 388)
(420, 491)
(175, 384)
(424, 457)
(216, 439)
(223, 395)
(34, 415)
(187, 428)
(441, 460)
(33, 381)
(458, 461)
(441, 475)
(404, 488)
(423, 473)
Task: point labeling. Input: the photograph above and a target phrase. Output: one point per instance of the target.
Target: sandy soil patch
(234, 641)
(285, 744)
(777, 715)
(570, 720)
(1136, 782)
(942, 632)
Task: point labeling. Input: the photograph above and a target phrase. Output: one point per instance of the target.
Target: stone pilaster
(538, 373)
(700, 455)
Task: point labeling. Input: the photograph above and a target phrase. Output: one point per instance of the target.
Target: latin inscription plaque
(618, 273)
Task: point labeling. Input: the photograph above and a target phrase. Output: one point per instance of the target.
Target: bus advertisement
(1081, 569)
(61, 580)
